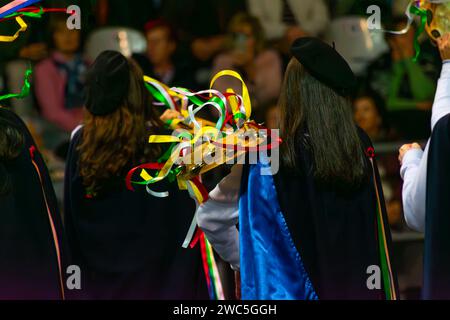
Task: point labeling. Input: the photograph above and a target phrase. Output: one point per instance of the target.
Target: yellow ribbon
(23, 28)
(245, 94)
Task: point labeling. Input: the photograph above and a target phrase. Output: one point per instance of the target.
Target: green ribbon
(156, 94)
(25, 89)
(27, 14)
(422, 13)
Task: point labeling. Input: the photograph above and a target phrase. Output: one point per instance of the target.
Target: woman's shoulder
(9, 115)
(13, 119)
(364, 137)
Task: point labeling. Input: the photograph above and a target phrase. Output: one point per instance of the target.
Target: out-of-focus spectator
(290, 19)
(59, 79)
(407, 86)
(410, 87)
(188, 17)
(158, 62)
(261, 68)
(370, 114)
(206, 42)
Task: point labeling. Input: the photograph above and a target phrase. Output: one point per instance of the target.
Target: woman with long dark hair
(127, 244)
(32, 250)
(317, 228)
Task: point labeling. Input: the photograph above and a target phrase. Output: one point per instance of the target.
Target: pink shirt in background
(50, 84)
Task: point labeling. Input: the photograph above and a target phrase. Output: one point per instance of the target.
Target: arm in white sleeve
(414, 167)
(414, 175)
(441, 106)
(219, 216)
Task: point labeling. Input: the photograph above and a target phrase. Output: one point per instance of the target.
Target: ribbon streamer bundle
(231, 136)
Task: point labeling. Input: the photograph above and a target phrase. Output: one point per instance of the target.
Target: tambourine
(438, 17)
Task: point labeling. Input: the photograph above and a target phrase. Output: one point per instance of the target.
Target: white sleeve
(414, 168)
(441, 106)
(219, 216)
(414, 175)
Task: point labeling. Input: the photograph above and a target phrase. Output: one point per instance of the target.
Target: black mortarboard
(107, 84)
(325, 64)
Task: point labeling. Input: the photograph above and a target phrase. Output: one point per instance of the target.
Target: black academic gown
(128, 244)
(334, 229)
(437, 230)
(29, 267)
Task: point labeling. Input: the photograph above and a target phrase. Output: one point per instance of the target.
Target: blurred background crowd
(184, 43)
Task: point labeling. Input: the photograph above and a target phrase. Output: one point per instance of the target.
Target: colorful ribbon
(55, 237)
(385, 262)
(423, 21)
(22, 28)
(18, 11)
(25, 89)
(14, 6)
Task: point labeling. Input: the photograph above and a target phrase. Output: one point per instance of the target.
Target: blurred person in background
(59, 82)
(286, 20)
(370, 114)
(290, 19)
(202, 26)
(407, 86)
(261, 68)
(159, 61)
(410, 87)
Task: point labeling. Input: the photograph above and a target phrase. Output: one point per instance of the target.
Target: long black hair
(310, 107)
(11, 143)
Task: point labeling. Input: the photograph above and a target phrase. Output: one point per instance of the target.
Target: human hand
(405, 148)
(170, 115)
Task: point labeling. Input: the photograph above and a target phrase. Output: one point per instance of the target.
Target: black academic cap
(107, 84)
(325, 64)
